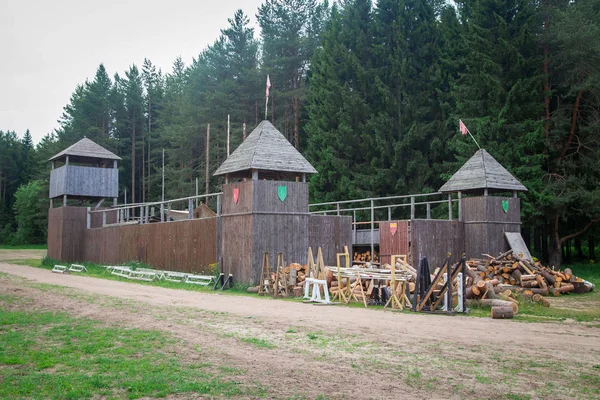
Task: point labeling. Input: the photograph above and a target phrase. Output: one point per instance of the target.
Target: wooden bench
(173, 276)
(121, 271)
(77, 268)
(203, 280)
(60, 269)
(140, 275)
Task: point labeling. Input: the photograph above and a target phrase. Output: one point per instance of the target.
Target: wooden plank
(517, 244)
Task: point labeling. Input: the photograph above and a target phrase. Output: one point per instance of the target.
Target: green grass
(259, 343)
(52, 355)
(24, 247)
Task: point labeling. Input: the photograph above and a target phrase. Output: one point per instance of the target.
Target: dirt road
(336, 351)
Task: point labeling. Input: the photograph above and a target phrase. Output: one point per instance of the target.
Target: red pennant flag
(463, 128)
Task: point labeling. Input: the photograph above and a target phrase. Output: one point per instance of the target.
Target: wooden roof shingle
(266, 149)
(86, 148)
(482, 171)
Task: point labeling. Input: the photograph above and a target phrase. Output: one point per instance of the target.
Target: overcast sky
(48, 47)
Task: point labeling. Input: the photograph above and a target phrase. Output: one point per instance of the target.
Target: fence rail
(126, 213)
(373, 205)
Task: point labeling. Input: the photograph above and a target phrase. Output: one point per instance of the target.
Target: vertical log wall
(486, 221)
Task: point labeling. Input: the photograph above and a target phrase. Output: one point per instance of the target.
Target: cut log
(539, 299)
(549, 277)
(540, 291)
(297, 291)
(529, 284)
(517, 275)
(498, 303)
(527, 293)
(569, 287)
(502, 313)
(253, 289)
(527, 277)
(541, 281)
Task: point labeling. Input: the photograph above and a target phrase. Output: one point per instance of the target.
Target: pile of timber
(291, 284)
(499, 278)
(367, 289)
(365, 257)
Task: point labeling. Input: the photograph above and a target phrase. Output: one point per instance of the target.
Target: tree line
(371, 92)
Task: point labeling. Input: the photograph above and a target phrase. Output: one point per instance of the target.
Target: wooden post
(52, 163)
(372, 229)
(514, 194)
(207, 159)
(389, 213)
(226, 178)
(244, 132)
(337, 207)
(450, 206)
(254, 174)
(354, 226)
(67, 161)
(64, 200)
(303, 177)
(485, 192)
(218, 205)
(412, 207)
(196, 192)
(162, 198)
(114, 164)
(162, 212)
(147, 214)
(460, 206)
(103, 218)
(191, 209)
(228, 128)
(428, 210)
(168, 211)
(89, 218)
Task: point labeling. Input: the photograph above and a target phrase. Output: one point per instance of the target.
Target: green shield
(282, 192)
(505, 205)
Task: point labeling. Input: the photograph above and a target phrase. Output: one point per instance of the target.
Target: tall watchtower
(84, 171)
(264, 203)
(487, 212)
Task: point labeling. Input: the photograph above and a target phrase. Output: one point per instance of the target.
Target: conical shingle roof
(266, 149)
(482, 171)
(86, 148)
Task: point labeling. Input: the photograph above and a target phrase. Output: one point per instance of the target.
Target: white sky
(48, 47)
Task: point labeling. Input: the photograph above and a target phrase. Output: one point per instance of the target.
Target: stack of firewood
(511, 273)
(365, 257)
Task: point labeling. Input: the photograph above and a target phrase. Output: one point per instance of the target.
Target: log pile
(295, 276)
(496, 277)
(365, 257)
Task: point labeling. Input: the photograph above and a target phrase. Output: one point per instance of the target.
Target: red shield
(236, 195)
(393, 228)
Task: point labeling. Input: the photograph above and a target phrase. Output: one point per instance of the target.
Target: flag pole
(463, 128)
(473, 138)
(267, 95)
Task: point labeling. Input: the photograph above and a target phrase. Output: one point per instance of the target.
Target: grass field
(25, 247)
(52, 355)
(62, 342)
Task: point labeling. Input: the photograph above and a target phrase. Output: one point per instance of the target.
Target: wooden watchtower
(84, 171)
(264, 203)
(487, 212)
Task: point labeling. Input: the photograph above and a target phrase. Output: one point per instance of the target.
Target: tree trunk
(544, 240)
(133, 164)
(578, 248)
(296, 122)
(143, 167)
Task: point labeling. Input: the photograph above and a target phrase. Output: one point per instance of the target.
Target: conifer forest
(371, 92)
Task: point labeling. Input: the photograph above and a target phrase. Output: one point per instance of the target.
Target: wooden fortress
(263, 207)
